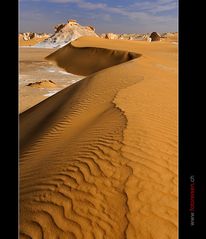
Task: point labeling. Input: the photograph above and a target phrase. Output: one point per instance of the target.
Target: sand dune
(88, 60)
(99, 158)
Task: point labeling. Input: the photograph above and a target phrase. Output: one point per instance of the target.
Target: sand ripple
(98, 159)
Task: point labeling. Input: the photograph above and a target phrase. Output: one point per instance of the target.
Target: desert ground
(98, 159)
(34, 69)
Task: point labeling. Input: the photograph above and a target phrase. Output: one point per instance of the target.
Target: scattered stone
(42, 84)
(155, 36)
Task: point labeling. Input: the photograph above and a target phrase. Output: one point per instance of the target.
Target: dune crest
(99, 158)
(88, 60)
(76, 145)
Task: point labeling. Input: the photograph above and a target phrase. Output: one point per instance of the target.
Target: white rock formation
(65, 33)
(30, 35)
(111, 35)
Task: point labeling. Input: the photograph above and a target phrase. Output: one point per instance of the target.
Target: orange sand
(99, 158)
(44, 84)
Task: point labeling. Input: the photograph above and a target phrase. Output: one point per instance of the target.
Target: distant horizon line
(98, 33)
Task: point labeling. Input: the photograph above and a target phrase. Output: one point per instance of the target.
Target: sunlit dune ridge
(99, 158)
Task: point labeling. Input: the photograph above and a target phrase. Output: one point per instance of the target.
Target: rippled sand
(99, 158)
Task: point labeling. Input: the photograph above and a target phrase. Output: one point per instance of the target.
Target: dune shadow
(88, 60)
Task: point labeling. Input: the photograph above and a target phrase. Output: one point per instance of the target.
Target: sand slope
(99, 158)
(88, 60)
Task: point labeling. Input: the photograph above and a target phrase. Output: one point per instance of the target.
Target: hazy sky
(118, 16)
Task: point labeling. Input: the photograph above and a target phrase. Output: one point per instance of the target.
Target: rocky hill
(65, 33)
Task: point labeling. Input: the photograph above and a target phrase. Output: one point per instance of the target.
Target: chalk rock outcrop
(111, 35)
(65, 33)
(26, 36)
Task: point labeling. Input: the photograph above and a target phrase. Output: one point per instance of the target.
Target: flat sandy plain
(99, 158)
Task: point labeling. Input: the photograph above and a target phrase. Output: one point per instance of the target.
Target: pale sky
(118, 16)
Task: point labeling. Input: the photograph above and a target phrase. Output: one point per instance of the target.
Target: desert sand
(35, 72)
(99, 158)
(43, 84)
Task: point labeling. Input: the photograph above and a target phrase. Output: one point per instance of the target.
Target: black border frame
(191, 121)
